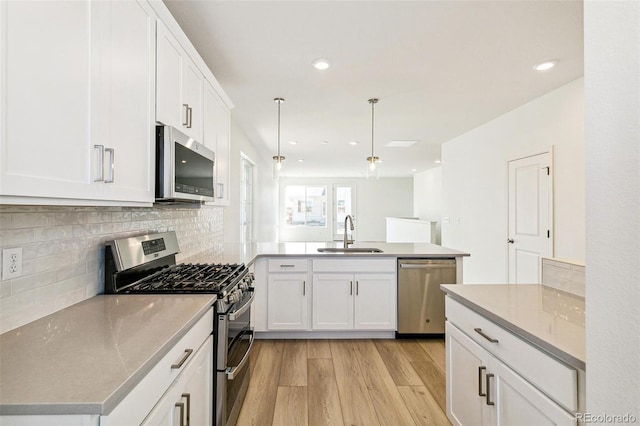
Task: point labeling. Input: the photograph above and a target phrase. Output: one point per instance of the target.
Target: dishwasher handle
(427, 266)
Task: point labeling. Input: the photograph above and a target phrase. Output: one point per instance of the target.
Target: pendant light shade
(373, 161)
(278, 159)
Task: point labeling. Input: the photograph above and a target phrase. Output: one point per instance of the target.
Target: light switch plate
(11, 263)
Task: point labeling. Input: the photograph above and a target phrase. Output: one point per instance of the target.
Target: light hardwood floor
(346, 382)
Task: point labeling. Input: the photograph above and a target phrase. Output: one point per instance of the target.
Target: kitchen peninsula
(301, 292)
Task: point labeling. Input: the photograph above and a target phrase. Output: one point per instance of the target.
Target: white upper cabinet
(46, 138)
(216, 131)
(78, 94)
(179, 87)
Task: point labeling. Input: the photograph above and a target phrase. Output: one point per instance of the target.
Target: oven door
(235, 340)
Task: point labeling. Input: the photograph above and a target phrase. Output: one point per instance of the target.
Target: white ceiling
(439, 68)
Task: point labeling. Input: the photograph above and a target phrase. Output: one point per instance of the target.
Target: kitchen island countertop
(306, 249)
(85, 359)
(546, 317)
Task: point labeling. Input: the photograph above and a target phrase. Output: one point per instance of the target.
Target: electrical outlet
(11, 263)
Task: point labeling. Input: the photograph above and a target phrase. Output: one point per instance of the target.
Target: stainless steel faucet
(346, 240)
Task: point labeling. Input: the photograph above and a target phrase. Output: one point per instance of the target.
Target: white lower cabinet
(483, 390)
(288, 299)
(354, 301)
(191, 395)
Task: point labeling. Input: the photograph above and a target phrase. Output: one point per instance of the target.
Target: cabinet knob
(510, 240)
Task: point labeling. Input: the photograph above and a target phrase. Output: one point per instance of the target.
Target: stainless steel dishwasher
(420, 300)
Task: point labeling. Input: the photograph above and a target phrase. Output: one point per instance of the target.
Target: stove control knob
(233, 298)
(243, 286)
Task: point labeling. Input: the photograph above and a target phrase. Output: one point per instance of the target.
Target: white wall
(375, 200)
(427, 194)
(612, 75)
(265, 191)
(474, 180)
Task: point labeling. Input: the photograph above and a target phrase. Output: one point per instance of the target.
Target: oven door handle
(241, 310)
(232, 372)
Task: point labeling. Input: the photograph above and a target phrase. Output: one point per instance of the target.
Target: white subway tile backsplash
(564, 275)
(63, 250)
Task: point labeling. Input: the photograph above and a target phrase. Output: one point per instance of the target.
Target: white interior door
(530, 216)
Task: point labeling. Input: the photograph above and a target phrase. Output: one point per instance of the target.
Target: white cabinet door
(179, 86)
(125, 101)
(192, 86)
(288, 301)
(333, 301)
(467, 365)
(216, 124)
(45, 74)
(223, 154)
(191, 394)
(375, 302)
(517, 402)
(169, 108)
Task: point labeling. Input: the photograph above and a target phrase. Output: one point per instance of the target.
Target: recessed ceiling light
(544, 66)
(300, 160)
(321, 64)
(353, 143)
(437, 161)
(413, 170)
(293, 142)
(324, 142)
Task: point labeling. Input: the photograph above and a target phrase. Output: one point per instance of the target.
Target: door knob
(510, 240)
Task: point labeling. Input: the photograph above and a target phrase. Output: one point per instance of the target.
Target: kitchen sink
(349, 250)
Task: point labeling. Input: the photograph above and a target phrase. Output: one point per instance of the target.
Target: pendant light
(372, 166)
(278, 159)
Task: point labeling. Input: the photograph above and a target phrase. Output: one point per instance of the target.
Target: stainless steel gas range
(147, 264)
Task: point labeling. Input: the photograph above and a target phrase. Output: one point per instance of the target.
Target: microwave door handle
(232, 372)
(241, 310)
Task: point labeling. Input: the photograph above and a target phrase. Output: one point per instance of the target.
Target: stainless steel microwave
(184, 168)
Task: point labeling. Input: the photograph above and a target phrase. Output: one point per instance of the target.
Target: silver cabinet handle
(112, 155)
(180, 405)
(188, 397)
(480, 370)
(186, 114)
(101, 162)
(189, 116)
(357, 287)
(187, 354)
(304, 288)
(426, 266)
(480, 332)
(489, 402)
(351, 288)
(287, 266)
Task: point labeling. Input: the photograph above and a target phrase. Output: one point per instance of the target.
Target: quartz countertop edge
(523, 333)
(139, 365)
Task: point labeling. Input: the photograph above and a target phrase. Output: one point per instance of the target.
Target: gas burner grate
(188, 278)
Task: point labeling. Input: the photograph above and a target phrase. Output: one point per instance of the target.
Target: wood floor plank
(318, 349)
(324, 402)
(434, 379)
(357, 407)
(291, 406)
(259, 403)
(387, 401)
(398, 365)
(294, 364)
(255, 353)
(423, 408)
(412, 350)
(436, 350)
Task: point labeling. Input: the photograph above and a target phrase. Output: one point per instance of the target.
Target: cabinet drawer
(387, 264)
(144, 396)
(549, 375)
(287, 265)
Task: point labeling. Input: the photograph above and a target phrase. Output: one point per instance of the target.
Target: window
(343, 206)
(246, 206)
(306, 205)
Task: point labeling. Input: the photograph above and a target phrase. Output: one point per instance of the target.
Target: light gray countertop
(546, 317)
(307, 249)
(85, 359)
